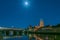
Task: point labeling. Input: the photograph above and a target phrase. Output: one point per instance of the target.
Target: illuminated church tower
(41, 23)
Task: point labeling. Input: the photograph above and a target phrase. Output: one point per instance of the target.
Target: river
(36, 37)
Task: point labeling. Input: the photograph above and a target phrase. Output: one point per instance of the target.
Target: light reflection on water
(18, 38)
(36, 37)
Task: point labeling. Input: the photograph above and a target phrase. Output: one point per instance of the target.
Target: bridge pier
(17, 33)
(7, 33)
(11, 33)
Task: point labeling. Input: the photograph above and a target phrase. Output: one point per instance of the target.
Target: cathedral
(41, 25)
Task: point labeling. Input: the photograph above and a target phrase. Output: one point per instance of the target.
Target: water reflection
(34, 37)
(43, 37)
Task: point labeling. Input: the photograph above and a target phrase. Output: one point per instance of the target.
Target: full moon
(26, 3)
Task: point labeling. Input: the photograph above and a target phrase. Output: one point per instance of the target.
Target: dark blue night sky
(15, 13)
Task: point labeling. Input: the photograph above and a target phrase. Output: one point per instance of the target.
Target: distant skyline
(16, 13)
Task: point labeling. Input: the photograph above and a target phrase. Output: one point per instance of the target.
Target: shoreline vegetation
(46, 29)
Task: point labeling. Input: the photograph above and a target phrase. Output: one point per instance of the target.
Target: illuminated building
(41, 25)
